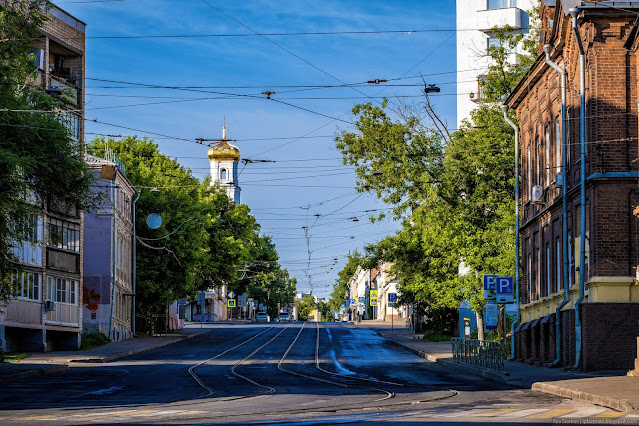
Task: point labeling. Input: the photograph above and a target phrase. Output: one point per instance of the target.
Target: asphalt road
(289, 374)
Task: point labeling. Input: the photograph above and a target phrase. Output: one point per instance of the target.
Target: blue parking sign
(504, 285)
(362, 299)
(490, 281)
(392, 297)
(353, 301)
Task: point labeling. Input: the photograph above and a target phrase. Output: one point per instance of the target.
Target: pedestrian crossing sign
(373, 301)
(230, 303)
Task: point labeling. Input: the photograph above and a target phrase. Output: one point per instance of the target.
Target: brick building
(609, 310)
(46, 313)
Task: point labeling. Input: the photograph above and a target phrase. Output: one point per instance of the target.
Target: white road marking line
(585, 412)
(523, 413)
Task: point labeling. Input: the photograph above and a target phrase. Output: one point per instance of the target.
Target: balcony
(511, 16)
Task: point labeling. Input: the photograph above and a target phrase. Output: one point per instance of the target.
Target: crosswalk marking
(552, 413)
(464, 413)
(609, 415)
(523, 413)
(495, 412)
(585, 412)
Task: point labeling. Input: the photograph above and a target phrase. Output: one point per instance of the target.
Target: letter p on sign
(505, 285)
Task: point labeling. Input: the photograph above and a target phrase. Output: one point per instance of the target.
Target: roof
(224, 151)
(91, 160)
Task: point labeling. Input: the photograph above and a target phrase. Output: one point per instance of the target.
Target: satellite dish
(154, 221)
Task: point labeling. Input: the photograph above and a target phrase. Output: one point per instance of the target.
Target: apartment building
(107, 287)
(475, 22)
(45, 313)
(579, 301)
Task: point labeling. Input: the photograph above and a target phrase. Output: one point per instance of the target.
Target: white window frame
(548, 270)
(33, 289)
(548, 162)
(559, 265)
(62, 290)
(558, 145)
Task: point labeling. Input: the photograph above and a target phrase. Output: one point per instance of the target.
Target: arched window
(223, 174)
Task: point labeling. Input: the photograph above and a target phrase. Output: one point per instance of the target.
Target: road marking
(62, 416)
(524, 413)
(552, 413)
(609, 415)
(495, 412)
(585, 412)
(464, 413)
(120, 415)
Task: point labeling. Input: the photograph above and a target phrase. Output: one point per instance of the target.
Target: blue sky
(307, 171)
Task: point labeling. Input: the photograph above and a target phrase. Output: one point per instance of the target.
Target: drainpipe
(113, 251)
(582, 181)
(564, 207)
(504, 109)
(134, 278)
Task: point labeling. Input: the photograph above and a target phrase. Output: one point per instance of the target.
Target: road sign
(231, 295)
(490, 317)
(489, 282)
(489, 295)
(373, 301)
(230, 303)
(392, 297)
(201, 298)
(362, 299)
(504, 285)
(255, 304)
(353, 301)
(374, 294)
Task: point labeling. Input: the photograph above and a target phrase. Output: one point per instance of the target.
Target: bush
(93, 340)
(436, 337)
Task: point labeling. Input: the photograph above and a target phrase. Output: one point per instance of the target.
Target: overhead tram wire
(282, 47)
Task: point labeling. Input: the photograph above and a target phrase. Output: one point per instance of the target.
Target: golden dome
(224, 151)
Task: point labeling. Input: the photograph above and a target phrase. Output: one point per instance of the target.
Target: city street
(297, 373)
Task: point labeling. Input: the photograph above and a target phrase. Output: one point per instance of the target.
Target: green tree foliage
(210, 241)
(340, 287)
(455, 193)
(305, 306)
(40, 162)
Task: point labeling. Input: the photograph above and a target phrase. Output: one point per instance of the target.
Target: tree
(40, 162)
(305, 306)
(455, 193)
(206, 241)
(340, 287)
(170, 259)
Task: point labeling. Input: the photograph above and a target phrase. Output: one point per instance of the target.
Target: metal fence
(482, 353)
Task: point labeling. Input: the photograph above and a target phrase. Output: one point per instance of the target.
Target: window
(63, 234)
(62, 290)
(501, 4)
(537, 161)
(530, 286)
(492, 42)
(548, 269)
(30, 229)
(558, 260)
(26, 285)
(529, 174)
(558, 145)
(223, 174)
(568, 144)
(571, 261)
(538, 275)
(548, 163)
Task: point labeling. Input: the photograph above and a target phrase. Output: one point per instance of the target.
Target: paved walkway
(612, 389)
(44, 363)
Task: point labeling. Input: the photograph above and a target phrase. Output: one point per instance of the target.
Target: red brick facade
(611, 183)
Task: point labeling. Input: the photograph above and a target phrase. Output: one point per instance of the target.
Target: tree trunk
(480, 325)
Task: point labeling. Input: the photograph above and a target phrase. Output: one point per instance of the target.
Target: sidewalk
(612, 389)
(45, 363)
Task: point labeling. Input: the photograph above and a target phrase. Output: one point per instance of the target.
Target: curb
(488, 374)
(138, 350)
(613, 403)
(35, 372)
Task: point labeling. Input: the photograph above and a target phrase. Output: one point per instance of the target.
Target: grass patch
(436, 337)
(14, 357)
(93, 340)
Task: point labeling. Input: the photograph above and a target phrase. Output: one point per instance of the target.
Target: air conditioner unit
(538, 194)
(559, 180)
(49, 305)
